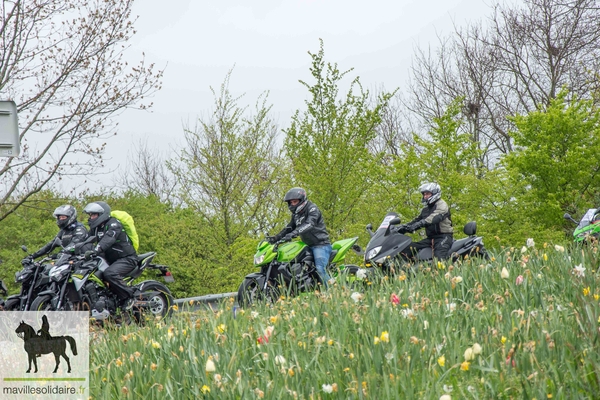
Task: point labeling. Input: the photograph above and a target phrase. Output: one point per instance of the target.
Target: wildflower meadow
(522, 325)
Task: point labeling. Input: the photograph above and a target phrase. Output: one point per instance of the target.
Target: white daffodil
(579, 271)
(356, 297)
(361, 273)
(523, 249)
(469, 354)
(327, 388)
(504, 273)
(210, 365)
(530, 242)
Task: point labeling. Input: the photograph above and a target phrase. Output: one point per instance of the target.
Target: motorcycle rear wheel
(160, 303)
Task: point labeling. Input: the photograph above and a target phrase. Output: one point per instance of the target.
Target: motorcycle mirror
(24, 248)
(369, 227)
(568, 216)
(395, 221)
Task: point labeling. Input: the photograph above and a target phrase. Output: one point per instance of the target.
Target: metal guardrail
(208, 299)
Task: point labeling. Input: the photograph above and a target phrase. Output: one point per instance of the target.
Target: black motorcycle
(33, 279)
(78, 285)
(384, 250)
(3, 292)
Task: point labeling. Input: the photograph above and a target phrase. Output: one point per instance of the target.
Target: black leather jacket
(436, 219)
(72, 234)
(113, 242)
(309, 225)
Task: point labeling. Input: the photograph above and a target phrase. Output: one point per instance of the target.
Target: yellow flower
(351, 356)
(156, 345)
(153, 367)
(205, 389)
(273, 319)
(440, 265)
(464, 366)
(175, 308)
(503, 340)
(441, 361)
(119, 362)
(291, 372)
(402, 277)
(586, 291)
(221, 328)
(596, 296)
(330, 342)
(385, 336)
(376, 340)
(545, 256)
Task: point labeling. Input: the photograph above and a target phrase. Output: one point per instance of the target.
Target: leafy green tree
(328, 143)
(558, 155)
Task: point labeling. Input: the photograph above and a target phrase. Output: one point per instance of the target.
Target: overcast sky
(266, 43)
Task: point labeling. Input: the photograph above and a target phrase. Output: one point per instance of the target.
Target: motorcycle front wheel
(12, 305)
(251, 292)
(42, 303)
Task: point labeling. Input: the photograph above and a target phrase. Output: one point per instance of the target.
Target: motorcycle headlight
(373, 252)
(259, 259)
(23, 275)
(57, 273)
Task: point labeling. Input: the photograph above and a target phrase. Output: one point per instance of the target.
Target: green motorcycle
(289, 268)
(588, 226)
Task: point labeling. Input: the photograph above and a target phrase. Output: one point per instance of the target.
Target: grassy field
(523, 325)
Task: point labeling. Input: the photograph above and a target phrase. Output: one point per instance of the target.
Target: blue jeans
(321, 255)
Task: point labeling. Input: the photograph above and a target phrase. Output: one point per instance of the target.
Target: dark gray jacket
(309, 225)
(436, 219)
(69, 236)
(113, 241)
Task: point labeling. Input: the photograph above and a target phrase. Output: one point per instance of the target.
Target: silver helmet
(434, 189)
(100, 208)
(67, 210)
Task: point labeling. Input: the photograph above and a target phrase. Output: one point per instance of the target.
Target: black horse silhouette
(35, 344)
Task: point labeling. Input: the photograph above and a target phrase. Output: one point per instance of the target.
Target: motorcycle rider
(307, 222)
(114, 245)
(435, 218)
(71, 232)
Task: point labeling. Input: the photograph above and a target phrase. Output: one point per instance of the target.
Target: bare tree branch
(62, 62)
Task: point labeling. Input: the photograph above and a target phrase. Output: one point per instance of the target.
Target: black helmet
(100, 208)
(69, 211)
(434, 189)
(296, 194)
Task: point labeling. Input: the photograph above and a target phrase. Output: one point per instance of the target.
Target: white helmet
(434, 189)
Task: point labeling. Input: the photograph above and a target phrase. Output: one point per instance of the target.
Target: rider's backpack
(127, 221)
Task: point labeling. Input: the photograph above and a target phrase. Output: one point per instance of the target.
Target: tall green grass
(532, 335)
